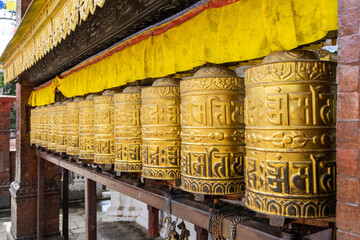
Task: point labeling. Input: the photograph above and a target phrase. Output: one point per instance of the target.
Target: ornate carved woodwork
(116, 20)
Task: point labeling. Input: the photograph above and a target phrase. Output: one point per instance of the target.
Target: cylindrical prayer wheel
(52, 127)
(212, 121)
(160, 113)
(86, 128)
(33, 119)
(128, 130)
(72, 109)
(290, 135)
(45, 127)
(104, 138)
(61, 128)
(39, 126)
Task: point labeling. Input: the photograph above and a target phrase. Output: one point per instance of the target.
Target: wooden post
(201, 233)
(90, 209)
(153, 221)
(40, 199)
(65, 204)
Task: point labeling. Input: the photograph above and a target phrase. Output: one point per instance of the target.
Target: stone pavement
(106, 231)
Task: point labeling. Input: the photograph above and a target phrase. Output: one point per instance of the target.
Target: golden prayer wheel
(86, 128)
(212, 121)
(128, 130)
(72, 109)
(45, 127)
(61, 128)
(39, 126)
(104, 139)
(33, 126)
(51, 128)
(290, 135)
(160, 114)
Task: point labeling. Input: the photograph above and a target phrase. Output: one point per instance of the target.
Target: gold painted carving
(291, 136)
(160, 114)
(128, 130)
(54, 22)
(212, 113)
(86, 128)
(104, 140)
(72, 109)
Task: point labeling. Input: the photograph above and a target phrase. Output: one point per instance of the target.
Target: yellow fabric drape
(243, 30)
(43, 96)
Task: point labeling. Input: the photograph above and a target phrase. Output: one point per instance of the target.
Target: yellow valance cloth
(43, 95)
(215, 33)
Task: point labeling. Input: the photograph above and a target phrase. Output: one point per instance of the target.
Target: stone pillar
(5, 166)
(23, 189)
(348, 124)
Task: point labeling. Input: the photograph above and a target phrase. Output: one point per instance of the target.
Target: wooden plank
(40, 199)
(189, 210)
(90, 209)
(65, 203)
(153, 221)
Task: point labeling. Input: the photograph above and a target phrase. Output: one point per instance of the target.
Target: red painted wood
(90, 209)
(153, 221)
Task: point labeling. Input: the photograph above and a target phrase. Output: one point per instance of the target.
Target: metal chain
(170, 225)
(233, 224)
(216, 219)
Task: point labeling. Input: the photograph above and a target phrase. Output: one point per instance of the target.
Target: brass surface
(51, 128)
(213, 147)
(128, 130)
(160, 114)
(86, 128)
(38, 129)
(104, 139)
(60, 121)
(33, 120)
(72, 109)
(291, 136)
(44, 127)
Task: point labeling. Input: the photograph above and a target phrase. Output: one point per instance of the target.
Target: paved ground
(106, 231)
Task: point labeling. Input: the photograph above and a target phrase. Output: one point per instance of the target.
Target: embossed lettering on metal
(86, 128)
(72, 109)
(128, 130)
(160, 113)
(291, 135)
(212, 148)
(104, 139)
(33, 119)
(61, 128)
(51, 128)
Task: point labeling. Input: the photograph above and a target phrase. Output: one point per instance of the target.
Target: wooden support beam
(189, 210)
(201, 233)
(90, 209)
(40, 199)
(65, 203)
(153, 221)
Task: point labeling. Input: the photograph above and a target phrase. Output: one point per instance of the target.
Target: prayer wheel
(61, 127)
(104, 140)
(212, 121)
(72, 109)
(128, 130)
(45, 127)
(52, 128)
(86, 128)
(290, 135)
(39, 126)
(160, 113)
(33, 126)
